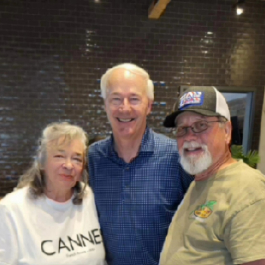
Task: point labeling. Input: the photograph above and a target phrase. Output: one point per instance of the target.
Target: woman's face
(64, 164)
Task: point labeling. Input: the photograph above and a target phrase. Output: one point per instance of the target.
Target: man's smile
(125, 120)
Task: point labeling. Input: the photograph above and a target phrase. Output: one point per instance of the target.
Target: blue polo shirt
(136, 201)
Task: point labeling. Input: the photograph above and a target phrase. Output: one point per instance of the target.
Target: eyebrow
(119, 94)
(78, 154)
(62, 151)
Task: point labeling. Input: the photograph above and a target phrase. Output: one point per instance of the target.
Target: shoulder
(99, 147)
(88, 194)
(252, 179)
(89, 200)
(165, 143)
(88, 191)
(245, 175)
(245, 185)
(15, 199)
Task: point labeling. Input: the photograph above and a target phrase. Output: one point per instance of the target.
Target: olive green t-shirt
(221, 220)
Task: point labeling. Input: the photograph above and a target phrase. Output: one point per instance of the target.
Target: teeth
(192, 149)
(125, 120)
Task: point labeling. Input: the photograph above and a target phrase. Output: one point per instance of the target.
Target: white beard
(195, 164)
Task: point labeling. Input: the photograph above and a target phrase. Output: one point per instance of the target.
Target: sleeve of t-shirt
(8, 239)
(245, 234)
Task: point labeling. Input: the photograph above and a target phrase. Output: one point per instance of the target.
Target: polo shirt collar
(147, 144)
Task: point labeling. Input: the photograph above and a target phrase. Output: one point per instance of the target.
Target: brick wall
(53, 52)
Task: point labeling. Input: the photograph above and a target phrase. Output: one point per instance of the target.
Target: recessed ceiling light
(239, 11)
(239, 5)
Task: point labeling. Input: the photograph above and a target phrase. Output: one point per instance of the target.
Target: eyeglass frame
(175, 131)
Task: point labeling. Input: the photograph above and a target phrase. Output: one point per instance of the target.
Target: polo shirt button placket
(126, 184)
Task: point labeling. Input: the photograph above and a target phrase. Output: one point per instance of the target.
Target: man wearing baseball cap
(221, 219)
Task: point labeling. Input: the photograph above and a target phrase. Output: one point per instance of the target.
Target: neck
(58, 195)
(128, 149)
(224, 161)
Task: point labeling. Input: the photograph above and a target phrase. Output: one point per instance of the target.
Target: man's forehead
(119, 91)
(122, 79)
(120, 74)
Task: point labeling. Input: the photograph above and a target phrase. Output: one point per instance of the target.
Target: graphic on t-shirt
(204, 210)
(79, 245)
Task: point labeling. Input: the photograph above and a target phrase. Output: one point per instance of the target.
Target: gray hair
(222, 120)
(34, 176)
(104, 83)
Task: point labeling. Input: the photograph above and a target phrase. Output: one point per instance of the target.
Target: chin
(195, 165)
(126, 134)
(69, 183)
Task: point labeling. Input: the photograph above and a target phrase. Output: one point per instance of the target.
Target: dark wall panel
(53, 53)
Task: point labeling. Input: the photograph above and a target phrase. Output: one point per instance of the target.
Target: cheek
(140, 111)
(111, 112)
(49, 168)
(215, 144)
(55, 168)
(205, 139)
(107, 108)
(79, 172)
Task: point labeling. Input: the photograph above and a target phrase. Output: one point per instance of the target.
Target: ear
(149, 107)
(228, 132)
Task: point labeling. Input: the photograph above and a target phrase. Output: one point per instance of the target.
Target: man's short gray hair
(104, 83)
(34, 176)
(222, 120)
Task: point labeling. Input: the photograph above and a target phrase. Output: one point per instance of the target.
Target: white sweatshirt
(44, 232)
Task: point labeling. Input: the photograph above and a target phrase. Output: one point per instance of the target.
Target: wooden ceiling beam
(157, 8)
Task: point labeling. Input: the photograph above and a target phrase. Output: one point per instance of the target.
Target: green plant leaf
(251, 158)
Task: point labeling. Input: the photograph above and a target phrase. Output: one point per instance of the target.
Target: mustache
(194, 144)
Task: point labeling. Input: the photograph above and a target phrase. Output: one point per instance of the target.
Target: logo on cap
(191, 99)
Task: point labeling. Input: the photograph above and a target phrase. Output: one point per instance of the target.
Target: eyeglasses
(196, 127)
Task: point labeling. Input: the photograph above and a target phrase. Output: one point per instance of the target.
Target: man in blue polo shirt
(135, 173)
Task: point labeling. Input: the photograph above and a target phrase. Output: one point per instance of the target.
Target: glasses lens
(199, 126)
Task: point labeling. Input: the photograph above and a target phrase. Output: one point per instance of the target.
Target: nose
(126, 105)
(68, 164)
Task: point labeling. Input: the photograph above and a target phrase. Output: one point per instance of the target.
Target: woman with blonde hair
(51, 217)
